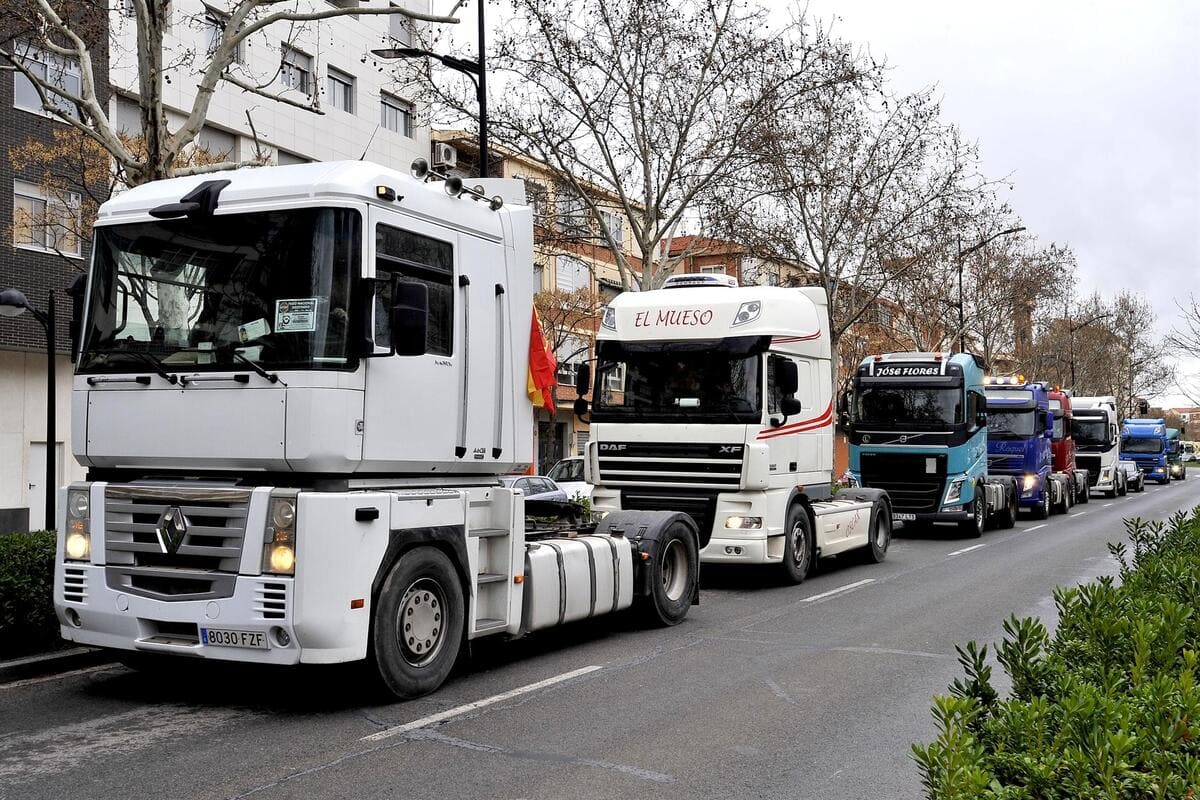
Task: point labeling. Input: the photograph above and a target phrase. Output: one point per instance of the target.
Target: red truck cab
(1062, 444)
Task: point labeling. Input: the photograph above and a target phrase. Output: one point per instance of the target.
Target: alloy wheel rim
(419, 621)
(799, 544)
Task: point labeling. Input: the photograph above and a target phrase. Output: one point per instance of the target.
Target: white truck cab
(1097, 443)
(296, 389)
(717, 400)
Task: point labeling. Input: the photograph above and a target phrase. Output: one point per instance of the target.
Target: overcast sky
(1091, 108)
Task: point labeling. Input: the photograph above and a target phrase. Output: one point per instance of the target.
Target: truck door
(407, 397)
(801, 451)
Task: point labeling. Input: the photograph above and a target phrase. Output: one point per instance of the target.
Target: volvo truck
(296, 389)
(1146, 443)
(918, 429)
(1020, 435)
(1097, 443)
(1063, 444)
(1175, 466)
(717, 400)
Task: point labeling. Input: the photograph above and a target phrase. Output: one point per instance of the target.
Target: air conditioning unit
(444, 155)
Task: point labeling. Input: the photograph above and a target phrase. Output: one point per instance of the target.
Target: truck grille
(208, 554)
(1004, 463)
(701, 507)
(1092, 465)
(687, 465)
(914, 481)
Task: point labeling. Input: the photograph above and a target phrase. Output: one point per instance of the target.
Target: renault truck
(1097, 443)
(717, 400)
(296, 390)
(918, 429)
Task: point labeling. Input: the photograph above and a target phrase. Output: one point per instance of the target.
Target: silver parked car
(1135, 479)
(535, 487)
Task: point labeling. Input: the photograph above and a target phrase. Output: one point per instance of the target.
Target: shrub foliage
(27, 621)
(1107, 707)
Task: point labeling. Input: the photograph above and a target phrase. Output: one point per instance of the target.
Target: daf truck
(918, 429)
(296, 389)
(1097, 443)
(1020, 434)
(717, 400)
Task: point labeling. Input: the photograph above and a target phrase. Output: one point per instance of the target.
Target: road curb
(19, 669)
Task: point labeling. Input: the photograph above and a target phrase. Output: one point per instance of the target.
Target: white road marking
(1106, 505)
(967, 549)
(838, 590)
(1081, 513)
(57, 677)
(468, 707)
(1035, 527)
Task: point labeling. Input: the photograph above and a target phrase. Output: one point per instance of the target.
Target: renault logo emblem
(171, 528)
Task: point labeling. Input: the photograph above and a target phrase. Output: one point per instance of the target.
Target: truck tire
(1064, 498)
(878, 537)
(798, 545)
(1123, 486)
(1008, 517)
(418, 626)
(675, 573)
(1086, 495)
(1111, 493)
(974, 527)
(1042, 511)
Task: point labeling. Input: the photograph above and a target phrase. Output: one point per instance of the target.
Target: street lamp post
(12, 303)
(962, 254)
(475, 70)
(1071, 329)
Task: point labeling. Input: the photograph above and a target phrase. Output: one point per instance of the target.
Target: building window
(719, 269)
(396, 115)
(341, 90)
(45, 223)
(572, 210)
(296, 70)
(399, 28)
(52, 71)
(574, 351)
(214, 23)
(535, 197)
(343, 3)
(616, 226)
(614, 379)
(570, 273)
(283, 157)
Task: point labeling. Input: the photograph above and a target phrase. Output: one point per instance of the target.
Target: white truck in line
(1098, 443)
(295, 390)
(717, 400)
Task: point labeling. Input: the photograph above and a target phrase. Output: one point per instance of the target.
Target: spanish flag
(541, 378)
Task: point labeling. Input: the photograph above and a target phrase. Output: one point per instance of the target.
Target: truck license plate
(904, 517)
(222, 637)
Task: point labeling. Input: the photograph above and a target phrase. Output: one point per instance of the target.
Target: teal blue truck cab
(1144, 441)
(1020, 443)
(917, 428)
(1175, 466)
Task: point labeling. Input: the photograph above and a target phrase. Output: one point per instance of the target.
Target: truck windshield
(1060, 427)
(1141, 444)
(193, 294)
(890, 406)
(1090, 432)
(680, 381)
(1011, 424)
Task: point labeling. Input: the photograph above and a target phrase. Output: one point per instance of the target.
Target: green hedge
(27, 621)
(1107, 707)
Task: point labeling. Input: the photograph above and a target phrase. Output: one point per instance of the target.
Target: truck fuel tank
(568, 579)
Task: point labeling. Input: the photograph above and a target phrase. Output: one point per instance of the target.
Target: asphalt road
(813, 691)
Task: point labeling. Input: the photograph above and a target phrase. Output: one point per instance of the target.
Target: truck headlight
(279, 535)
(954, 492)
(1029, 482)
(743, 523)
(77, 546)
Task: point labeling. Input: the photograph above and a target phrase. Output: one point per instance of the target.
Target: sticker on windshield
(253, 330)
(298, 315)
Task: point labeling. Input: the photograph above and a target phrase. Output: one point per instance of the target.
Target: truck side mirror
(410, 318)
(787, 377)
(76, 290)
(789, 405)
(580, 407)
(980, 419)
(583, 379)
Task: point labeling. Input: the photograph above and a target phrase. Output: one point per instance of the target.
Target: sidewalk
(18, 669)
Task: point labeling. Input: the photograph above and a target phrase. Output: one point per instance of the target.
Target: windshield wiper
(145, 358)
(270, 376)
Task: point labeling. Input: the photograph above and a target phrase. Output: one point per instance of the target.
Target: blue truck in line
(917, 427)
(1145, 442)
(1020, 443)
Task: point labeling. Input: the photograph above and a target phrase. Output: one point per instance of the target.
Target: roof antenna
(363, 157)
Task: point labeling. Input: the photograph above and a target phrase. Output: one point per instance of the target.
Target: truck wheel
(1122, 488)
(1042, 511)
(974, 527)
(1111, 493)
(798, 545)
(879, 536)
(1064, 499)
(674, 575)
(418, 624)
